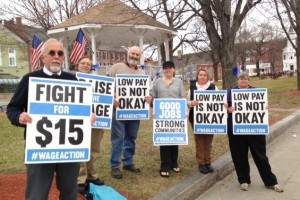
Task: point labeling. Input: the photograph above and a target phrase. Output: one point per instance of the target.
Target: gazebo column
(93, 41)
(141, 44)
(167, 49)
(158, 43)
(140, 32)
(92, 34)
(65, 43)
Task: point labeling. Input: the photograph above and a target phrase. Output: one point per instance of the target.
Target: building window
(113, 55)
(105, 55)
(98, 54)
(12, 57)
(291, 58)
(283, 57)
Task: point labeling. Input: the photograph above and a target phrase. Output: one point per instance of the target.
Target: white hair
(50, 40)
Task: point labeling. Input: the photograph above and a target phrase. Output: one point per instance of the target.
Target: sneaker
(210, 169)
(96, 181)
(244, 186)
(203, 169)
(116, 173)
(88, 196)
(131, 168)
(276, 188)
(81, 188)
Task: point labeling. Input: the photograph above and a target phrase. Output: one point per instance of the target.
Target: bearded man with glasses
(124, 132)
(40, 176)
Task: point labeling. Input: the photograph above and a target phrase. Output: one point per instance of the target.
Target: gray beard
(55, 69)
(133, 62)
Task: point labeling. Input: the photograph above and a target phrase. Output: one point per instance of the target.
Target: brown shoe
(131, 168)
(116, 173)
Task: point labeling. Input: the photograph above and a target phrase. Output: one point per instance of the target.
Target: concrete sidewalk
(284, 157)
(223, 185)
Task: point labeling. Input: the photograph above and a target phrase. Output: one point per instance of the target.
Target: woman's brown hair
(80, 59)
(203, 70)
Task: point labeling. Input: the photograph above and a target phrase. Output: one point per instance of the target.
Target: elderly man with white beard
(40, 176)
(124, 132)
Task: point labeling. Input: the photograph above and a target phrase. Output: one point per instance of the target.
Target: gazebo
(113, 24)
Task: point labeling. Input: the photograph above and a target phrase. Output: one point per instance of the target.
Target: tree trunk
(216, 76)
(215, 59)
(298, 61)
(257, 68)
(227, 62)
(162, 52)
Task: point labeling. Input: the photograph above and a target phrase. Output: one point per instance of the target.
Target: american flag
(36, 52)
(78, 47)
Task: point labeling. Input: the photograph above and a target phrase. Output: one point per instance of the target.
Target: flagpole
(30, 55)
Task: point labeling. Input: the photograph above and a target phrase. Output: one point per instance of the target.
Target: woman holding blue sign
(88, 172)
(168, 87)
(240, 145)
(203, 141)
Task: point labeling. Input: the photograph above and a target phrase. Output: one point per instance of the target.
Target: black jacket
(193, 87)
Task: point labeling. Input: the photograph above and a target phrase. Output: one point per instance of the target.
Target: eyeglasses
(85, 63)
(59, 53)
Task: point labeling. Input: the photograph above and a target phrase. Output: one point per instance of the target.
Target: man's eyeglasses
(59, 53)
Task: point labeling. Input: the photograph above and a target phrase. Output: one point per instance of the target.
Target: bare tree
(242, 47)
(218, 13)
(289, 10)
(260, 34)
(261, 43)
(46, 13)
(199, 41)
(175, 14)
(275, 53)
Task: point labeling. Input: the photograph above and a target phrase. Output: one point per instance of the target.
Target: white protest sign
(61, 121)
(210, 117)
(170, 123)
(131, 91)
(251, 114)
(103, 97)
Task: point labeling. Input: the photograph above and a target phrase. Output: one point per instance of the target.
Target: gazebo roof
(117, 23)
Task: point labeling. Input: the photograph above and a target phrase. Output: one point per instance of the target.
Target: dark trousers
(239, 147)
(40, 177)
(168, 156)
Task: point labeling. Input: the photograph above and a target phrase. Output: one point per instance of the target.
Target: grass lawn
(282, 94)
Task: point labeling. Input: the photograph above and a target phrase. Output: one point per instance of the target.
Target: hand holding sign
(24, 118)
